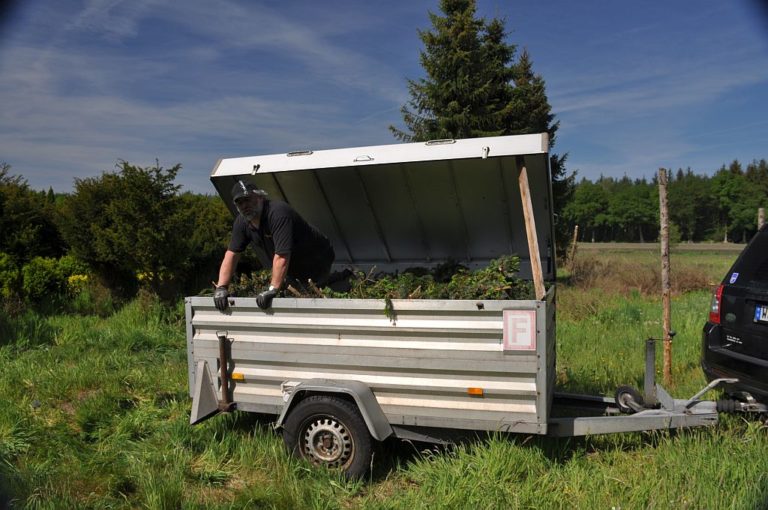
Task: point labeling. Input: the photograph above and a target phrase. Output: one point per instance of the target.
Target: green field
(94, 414)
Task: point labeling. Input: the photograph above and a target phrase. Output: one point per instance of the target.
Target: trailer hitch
(712, 385)
(629, 400)
(741, 402)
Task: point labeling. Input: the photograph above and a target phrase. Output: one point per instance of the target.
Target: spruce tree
(475, 87)
(452, 101)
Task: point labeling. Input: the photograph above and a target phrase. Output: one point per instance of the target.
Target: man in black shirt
(298, 250)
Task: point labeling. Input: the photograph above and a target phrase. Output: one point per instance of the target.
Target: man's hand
(264, 300)
(221, 298)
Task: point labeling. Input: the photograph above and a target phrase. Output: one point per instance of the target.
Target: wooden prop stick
(530, 230)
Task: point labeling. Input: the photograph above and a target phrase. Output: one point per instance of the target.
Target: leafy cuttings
(498, 280)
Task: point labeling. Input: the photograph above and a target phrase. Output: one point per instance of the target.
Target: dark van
(735, 339)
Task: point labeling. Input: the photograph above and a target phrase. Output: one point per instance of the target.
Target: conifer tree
(474, 87)
(453, 96)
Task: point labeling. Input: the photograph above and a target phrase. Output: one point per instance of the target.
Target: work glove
(221, 298)
(264, 300)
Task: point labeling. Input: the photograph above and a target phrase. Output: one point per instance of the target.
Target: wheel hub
(327, 441)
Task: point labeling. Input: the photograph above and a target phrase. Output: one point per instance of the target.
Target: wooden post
(760, 218)
(530, 230)
(574, 244)
(665, 285)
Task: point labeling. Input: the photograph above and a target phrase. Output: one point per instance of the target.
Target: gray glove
(221, 298)
(264, 300)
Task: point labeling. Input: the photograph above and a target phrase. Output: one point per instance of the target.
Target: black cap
(244, 189)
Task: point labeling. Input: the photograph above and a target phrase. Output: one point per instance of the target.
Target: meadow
(94, 414)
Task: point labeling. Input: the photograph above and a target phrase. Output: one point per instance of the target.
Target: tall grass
(94, 414)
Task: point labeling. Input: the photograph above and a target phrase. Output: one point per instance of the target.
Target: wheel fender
(366, 402)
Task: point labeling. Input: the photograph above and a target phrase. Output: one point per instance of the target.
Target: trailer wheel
(329, 431)
(626, 396)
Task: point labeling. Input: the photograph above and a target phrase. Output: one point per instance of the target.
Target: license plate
(761, 313)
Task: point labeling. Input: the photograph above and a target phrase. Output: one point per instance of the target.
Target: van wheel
(329, 431)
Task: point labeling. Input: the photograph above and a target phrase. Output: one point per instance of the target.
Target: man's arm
(279, 269)
(227, 269)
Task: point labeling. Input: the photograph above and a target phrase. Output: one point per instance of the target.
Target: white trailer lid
(415, 204)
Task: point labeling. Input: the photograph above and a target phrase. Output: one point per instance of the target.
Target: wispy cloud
(659, 86)
(112, 19)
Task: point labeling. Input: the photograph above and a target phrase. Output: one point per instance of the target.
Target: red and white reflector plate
(519, 330)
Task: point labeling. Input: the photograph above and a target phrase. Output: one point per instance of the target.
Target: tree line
(720, 207)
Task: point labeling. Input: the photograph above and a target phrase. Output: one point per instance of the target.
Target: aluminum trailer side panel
(419, 364)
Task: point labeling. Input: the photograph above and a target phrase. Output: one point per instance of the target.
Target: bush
(69, 265)
(10, 277)
(26, 220)
(63, 283)
(45, 278)
(127, 223)
(41, 279)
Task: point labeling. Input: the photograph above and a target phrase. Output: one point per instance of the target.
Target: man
(298, 250)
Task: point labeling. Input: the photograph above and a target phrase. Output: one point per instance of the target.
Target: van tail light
(714, 310)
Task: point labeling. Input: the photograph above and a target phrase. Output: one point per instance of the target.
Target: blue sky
(635, 85)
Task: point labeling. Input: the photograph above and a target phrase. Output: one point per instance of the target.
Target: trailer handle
(225, 404)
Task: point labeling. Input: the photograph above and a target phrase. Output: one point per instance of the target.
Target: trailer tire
(329, 431)
(625, 395)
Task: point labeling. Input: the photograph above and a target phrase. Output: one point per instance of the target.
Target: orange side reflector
(475, 392)
(237, 376)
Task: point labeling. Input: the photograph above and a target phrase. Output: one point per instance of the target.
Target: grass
(94, 414)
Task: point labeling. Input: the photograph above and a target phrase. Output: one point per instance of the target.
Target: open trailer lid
(415, 204)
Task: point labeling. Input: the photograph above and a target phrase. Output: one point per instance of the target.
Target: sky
(85, 84)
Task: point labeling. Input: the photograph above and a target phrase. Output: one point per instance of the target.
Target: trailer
(339, 374)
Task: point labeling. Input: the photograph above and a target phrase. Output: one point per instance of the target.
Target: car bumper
(718, 362)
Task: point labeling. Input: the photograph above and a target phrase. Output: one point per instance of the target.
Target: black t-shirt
(282, 231)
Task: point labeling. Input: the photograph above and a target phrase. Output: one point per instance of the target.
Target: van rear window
(753, 264)
(761, 275)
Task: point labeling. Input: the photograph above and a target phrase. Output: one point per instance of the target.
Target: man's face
(250, 206)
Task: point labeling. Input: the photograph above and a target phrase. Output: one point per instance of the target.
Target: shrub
(129, 222)
(69, 265)
(9, 277)
(44, 277)
(26, 220)
(41, 279)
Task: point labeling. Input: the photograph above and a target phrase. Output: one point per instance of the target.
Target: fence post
(574, 244)
(760, 218)
(665, 285)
